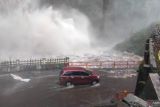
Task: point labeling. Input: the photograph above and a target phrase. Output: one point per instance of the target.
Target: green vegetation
(135, 43)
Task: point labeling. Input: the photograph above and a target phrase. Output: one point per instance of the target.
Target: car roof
(73, 69)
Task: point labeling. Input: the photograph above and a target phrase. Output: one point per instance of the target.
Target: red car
(78, 76)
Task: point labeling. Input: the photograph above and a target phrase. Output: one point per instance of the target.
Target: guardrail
(33, 64)
(107, 64)
(53, 63)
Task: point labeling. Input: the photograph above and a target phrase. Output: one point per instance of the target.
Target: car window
(76, 74)
(89, 72)
(67, 74)
(84, 74)
(73, 73)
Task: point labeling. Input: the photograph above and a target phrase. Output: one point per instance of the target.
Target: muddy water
(43, 91)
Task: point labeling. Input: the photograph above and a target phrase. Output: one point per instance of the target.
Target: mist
(28, 30)
(123, 18)
(113, 21)
(43, 28)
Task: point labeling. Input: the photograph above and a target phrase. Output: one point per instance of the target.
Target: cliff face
(135, 43)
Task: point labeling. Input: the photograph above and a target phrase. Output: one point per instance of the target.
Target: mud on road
(43, 91)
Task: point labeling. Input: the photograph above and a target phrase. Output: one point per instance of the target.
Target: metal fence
(54, 63)
(33, 64)
(107, 64)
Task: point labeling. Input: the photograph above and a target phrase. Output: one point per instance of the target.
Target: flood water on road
(43, 90)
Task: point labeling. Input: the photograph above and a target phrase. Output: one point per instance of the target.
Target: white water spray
(16, 77)
(27, 30)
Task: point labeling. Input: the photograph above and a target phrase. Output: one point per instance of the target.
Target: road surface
(42, 90)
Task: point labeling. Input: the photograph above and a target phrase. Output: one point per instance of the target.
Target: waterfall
(28, 29)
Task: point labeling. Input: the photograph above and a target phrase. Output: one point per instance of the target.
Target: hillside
(135, 43)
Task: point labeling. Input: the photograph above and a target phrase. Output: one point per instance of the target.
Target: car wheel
(94, 82)
(68, 84)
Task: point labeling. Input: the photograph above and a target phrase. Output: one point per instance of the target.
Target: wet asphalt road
(43, 91)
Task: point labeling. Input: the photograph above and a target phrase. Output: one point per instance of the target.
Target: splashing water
(16, 77)
(27, 30)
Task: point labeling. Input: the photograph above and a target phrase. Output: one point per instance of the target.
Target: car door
(85, 78)
(76, 78)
